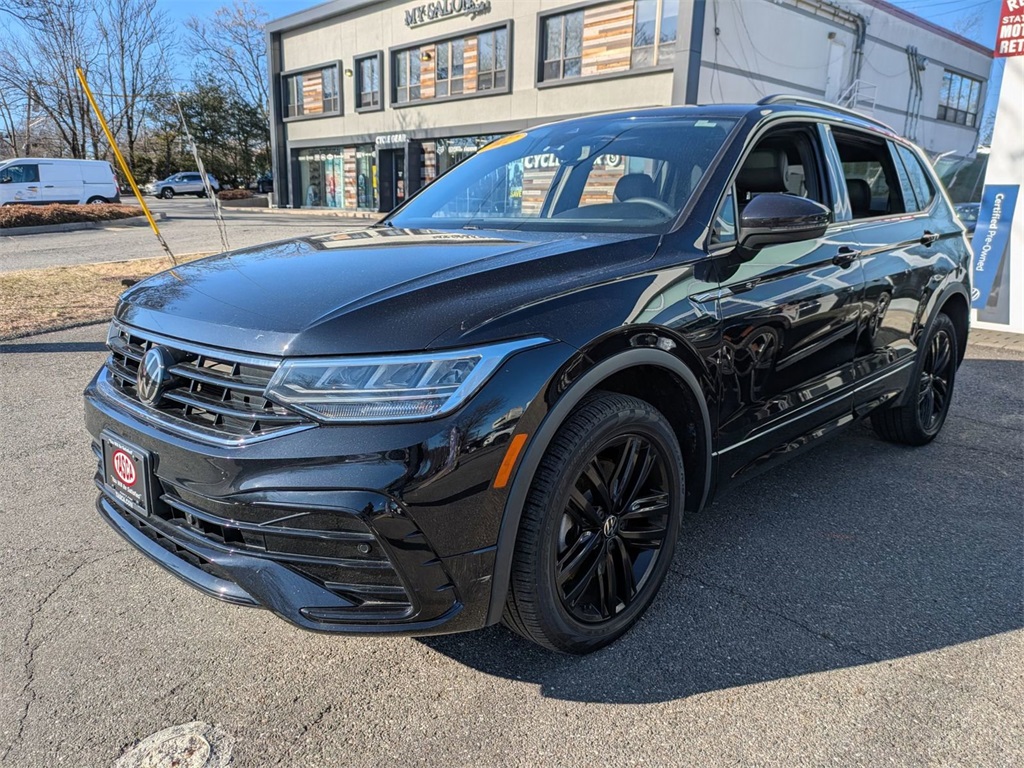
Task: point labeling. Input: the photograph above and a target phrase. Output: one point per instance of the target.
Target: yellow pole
(124, 165)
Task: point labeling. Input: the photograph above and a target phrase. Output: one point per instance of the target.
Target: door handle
(929, 237)
(845, 257)
(48, 186)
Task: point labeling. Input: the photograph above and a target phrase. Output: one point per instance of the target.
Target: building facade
(372, 100)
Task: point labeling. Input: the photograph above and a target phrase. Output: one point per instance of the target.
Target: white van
(39, 180)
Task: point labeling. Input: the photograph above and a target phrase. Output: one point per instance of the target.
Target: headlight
(390, 388)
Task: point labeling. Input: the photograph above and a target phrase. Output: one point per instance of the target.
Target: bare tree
(133, 35)
(40, 62)
(230, 48)
(117, 43)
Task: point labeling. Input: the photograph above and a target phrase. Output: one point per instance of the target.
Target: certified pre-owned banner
(992, 238)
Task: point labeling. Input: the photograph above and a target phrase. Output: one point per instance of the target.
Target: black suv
(497, 403)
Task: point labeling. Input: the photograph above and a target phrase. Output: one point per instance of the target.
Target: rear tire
(919, 420)
(599, 526)
(166, 193)
(96, 201)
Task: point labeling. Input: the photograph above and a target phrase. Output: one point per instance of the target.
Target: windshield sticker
(705, 124)
(504, 141)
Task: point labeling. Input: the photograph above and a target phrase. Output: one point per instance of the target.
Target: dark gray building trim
(696, 50)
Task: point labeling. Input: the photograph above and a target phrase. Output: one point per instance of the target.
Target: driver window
(20, 174)
(785, 161)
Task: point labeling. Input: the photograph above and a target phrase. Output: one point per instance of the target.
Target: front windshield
(620, 175)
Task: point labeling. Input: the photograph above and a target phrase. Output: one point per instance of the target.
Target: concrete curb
(131, 221)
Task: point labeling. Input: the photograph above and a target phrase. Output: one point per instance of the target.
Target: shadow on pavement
(856, 552)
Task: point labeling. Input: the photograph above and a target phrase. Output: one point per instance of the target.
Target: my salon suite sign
(439, 10)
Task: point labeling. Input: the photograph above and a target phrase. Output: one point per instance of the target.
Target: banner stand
(998, 244)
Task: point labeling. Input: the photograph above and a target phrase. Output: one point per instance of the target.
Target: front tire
(599, 526)
(166, 193)
(919, 420)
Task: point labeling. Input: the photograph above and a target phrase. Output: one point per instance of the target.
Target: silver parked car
(187, 183)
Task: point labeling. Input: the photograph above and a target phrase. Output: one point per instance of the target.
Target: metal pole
(124, 165)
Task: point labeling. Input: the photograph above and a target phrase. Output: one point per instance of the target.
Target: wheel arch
(955, 305)
(620, 372)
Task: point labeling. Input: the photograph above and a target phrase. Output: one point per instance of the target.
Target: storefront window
(451, 152)
(322, 175)
(366, 177)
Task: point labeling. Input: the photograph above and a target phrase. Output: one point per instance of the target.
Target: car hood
(376, 290)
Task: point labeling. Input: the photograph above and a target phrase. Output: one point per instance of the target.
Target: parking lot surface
(189, 228)
(861, 605)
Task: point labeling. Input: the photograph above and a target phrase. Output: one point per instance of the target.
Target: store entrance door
(391, 166)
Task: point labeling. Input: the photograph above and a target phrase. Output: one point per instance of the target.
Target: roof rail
(788, 98)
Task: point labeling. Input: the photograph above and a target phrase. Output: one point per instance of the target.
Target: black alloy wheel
(599, 525)
(166, 193)
(936, 376)
(923, 412)
(612, 529)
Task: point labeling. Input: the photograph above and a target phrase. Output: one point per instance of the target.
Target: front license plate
(126, 472)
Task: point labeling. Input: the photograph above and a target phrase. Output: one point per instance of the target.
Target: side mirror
(6, 180)
(772, 218)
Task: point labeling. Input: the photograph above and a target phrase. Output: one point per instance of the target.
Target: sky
(943, 12)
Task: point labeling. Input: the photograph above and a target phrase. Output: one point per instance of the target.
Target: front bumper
(384, 528)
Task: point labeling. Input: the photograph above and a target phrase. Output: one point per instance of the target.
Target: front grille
(211, 391)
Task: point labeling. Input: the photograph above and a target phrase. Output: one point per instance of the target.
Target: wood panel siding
(313, 93)
(607, 38)
(349, 165)
(470, 64)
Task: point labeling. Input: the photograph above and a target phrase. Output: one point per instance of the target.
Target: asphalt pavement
(190, 227)
(859, 606)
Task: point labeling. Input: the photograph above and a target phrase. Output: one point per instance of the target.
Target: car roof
(770, 105)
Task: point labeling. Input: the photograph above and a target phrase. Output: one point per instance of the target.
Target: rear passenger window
(924, 191)
(872, 182)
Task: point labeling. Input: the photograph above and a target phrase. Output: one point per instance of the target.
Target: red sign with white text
(1010, 37)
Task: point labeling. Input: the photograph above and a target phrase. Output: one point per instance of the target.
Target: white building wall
(752, 48)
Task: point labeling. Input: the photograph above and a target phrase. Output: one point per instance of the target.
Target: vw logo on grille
(154, 375)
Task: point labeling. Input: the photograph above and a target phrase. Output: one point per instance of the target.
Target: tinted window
(872, 181)
(920, 181)
(20, 174)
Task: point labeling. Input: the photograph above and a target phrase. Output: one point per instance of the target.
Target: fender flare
(943, 296)
(538, 445)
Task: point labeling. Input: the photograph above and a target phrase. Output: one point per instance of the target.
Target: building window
(460, 66)
(563, 46)
(368, 78)
(608, 38)
(959, 99)
(492, 54)
(407, 75)
(450, 70)
(313, 93)
(654, 32)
